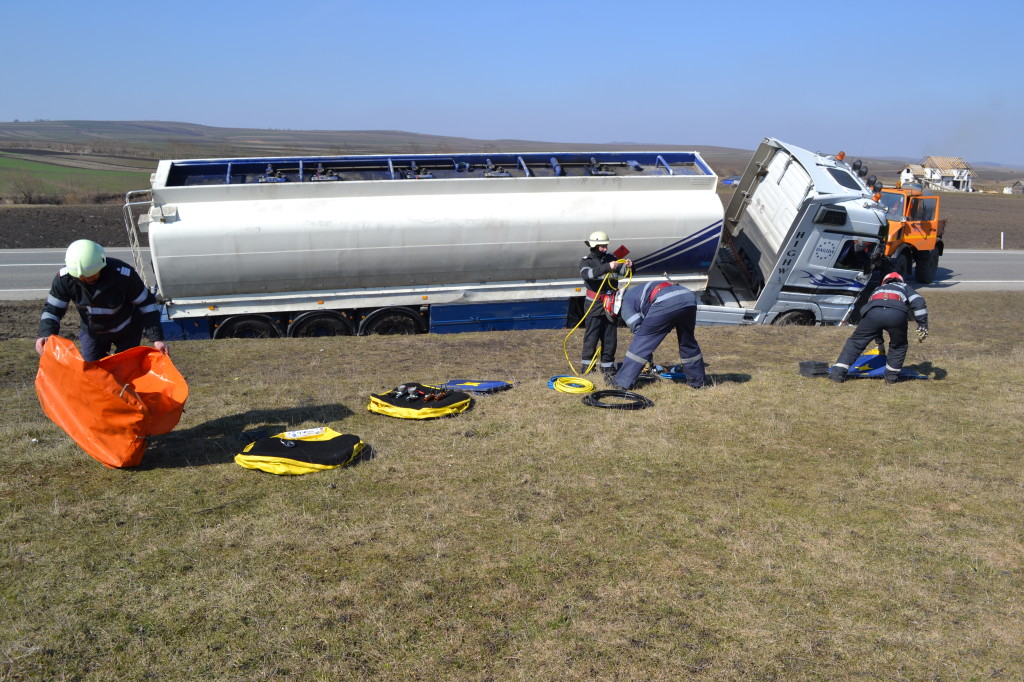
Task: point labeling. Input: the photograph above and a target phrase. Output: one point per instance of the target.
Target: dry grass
(772, 527)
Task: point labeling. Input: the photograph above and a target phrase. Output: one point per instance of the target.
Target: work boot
(837, 375)
(891, 379)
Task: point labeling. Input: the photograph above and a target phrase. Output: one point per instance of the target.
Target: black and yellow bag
(419, 401)
(301, 452)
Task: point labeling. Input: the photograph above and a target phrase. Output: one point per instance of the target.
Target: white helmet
(84, 258)
(597, 239)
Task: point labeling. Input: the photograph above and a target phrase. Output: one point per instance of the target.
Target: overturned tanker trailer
(304, 246)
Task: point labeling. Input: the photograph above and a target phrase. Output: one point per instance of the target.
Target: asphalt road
(25, 274)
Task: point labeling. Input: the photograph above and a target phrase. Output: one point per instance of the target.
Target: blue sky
(873, 79)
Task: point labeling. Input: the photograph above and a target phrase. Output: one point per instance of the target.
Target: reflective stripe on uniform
(141, 297)
(148, 308)
(56, 302)
(118, 327)
(50, 316)
(665, 297)
(102, 311)
(635, 357)
(632, 319)
(695, 358)
(840, 365)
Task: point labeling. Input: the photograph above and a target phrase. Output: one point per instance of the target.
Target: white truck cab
(799, 236)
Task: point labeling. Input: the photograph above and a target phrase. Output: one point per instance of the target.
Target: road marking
(5, 291)
(1001, 252)
(30, 265)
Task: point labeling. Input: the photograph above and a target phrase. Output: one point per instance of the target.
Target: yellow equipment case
(419, 401)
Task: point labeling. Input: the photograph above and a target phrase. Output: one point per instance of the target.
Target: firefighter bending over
(602, 323)
(651, 312)
(888, 309)
(113, 302)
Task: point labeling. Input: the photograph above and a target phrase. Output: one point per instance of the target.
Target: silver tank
(299, 234)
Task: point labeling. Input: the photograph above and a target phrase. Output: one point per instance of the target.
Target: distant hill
(121, 144)
(136, 145)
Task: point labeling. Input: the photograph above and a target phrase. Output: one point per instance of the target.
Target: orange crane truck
(915, 231)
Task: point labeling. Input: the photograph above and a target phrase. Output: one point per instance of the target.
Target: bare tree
(23, 187)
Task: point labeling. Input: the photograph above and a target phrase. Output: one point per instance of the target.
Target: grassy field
(18, 175)
(769, 527)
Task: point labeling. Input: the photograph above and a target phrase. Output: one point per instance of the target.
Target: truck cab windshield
(893, 204)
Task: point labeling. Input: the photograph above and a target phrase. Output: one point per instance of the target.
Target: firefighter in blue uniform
(112, 300)
(602, 324)
(888, 309)
(651, 312)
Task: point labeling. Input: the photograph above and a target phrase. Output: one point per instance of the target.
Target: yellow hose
(573, 385)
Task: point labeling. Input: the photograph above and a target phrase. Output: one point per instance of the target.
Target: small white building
(912, 174)
(947, 173)
(1015, 188)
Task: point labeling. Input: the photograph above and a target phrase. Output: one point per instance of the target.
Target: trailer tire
(926, 263)
(802, 318)
(392, 321)
(247, 327)
(320, 323)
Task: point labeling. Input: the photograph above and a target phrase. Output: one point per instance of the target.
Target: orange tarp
(109, 406)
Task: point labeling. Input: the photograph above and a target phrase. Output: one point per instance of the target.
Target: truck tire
(320, 323)
(803, 318)
(389, 321)
(926, 263)
(903, 264)
(247, 327)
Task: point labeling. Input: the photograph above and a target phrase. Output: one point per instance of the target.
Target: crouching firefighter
(602, 321)
(888, 309)
(651, 312)
(112, 300)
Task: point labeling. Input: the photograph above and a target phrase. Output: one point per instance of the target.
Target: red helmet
(892, 276)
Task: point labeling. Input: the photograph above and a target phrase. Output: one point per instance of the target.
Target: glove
(922, 334)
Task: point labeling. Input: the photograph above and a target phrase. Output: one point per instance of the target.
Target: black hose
(637, 401)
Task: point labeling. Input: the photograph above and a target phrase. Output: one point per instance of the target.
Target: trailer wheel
(803, 318)
(320, 323)
(926, 263)
(390, 321)
(247, 327)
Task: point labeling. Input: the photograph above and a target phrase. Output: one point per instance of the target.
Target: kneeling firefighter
(651, 312)
(602, 322)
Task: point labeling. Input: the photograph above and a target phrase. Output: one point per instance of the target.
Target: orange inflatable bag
(109, 406)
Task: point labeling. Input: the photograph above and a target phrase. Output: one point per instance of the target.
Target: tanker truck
(340, 245)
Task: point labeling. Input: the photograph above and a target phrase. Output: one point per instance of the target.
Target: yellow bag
(418, 401)
(301, 452)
